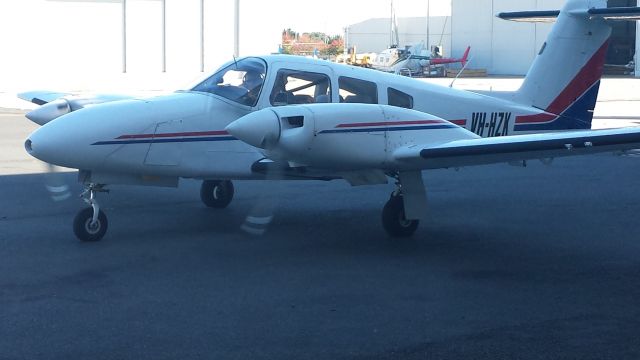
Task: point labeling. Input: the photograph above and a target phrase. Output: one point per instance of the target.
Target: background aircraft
(410, 62)
(283, 117)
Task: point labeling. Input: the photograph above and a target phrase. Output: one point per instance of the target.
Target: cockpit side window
(300, 87)
(239, 81)
(399, 98)
(354, 90)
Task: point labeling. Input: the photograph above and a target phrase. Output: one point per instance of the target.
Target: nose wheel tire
(394, 221)
(216, 193)
(85, 229)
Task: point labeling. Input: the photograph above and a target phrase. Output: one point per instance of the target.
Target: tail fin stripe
(576, 116)
(584, 80)
(536, 118)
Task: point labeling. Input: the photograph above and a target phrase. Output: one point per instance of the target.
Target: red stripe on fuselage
(588, 75)
(462, 122)
(167, 135)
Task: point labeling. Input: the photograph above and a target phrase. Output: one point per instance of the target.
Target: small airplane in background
(293, 118)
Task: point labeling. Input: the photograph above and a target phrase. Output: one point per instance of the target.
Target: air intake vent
(295, 121)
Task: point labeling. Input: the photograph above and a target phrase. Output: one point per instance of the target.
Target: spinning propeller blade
(56, 184)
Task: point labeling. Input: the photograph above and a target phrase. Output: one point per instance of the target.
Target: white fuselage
(182, 134)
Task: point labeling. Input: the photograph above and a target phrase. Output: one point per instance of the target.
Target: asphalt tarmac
(541, 262)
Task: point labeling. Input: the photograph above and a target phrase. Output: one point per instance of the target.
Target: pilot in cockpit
(252, 81)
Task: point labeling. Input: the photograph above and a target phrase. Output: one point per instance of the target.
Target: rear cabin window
(399, 99)
(300, 87)
(357, 91)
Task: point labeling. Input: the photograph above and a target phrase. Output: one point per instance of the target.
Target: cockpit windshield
(240, 81)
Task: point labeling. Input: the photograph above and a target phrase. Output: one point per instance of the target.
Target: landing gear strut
(407, 204)
(216, 193)
(90, 224)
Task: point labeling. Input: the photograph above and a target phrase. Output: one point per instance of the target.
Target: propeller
(263, 131)
(55, 183)
(262, 213)
(273, 130)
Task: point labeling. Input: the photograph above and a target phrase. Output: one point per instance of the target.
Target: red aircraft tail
(464, 58)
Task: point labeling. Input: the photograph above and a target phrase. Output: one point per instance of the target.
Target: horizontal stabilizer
(530, 16)
(616, 13)
(481, 151)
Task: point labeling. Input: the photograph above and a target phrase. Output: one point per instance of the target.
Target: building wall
(373, 35)
(77, 44)
(502, 47)
(637, 57)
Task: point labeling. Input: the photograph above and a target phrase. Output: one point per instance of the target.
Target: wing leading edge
(469, 152)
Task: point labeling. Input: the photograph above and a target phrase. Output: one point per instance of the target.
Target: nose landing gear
(90, 224)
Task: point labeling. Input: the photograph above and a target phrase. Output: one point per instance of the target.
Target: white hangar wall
(77, 44)
(502, 47)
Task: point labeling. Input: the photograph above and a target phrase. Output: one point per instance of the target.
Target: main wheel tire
(216, 193)
(83, 229)
(394, 221)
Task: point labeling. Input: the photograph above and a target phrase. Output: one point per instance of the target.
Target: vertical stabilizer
(565, 76)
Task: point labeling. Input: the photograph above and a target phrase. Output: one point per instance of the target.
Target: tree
(308, 43)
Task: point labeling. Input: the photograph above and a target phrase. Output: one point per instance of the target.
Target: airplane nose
(41, 147)
(260, 129)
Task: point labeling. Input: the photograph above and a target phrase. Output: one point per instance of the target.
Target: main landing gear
(90, 224)
(216, 193)
(394, 221)
(407, 204)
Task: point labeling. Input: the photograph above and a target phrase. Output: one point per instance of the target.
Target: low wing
(481, 151)
(616, 13)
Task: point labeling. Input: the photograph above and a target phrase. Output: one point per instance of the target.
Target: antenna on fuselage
(235, 61)
(460, 72)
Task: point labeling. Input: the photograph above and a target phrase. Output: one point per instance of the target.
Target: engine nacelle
(64, 105)
(341, 136)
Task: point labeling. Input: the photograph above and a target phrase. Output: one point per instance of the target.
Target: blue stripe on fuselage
(157, 141)
(405, 128)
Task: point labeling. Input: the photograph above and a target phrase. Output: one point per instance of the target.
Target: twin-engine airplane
(299, 118)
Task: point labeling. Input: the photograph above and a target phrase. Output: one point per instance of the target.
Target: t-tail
(565, 76)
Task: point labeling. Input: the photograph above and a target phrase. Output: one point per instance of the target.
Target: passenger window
(300, 87)
(357, 91)
(399, 99)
